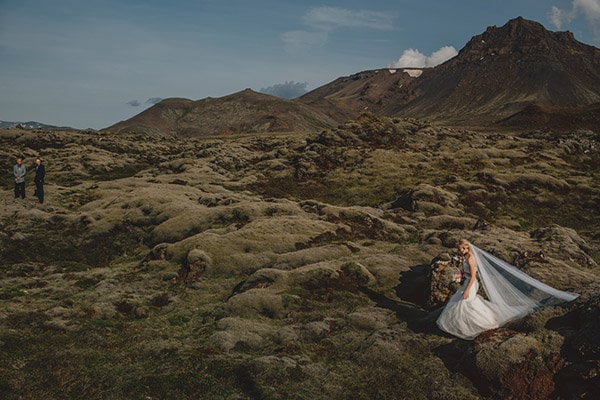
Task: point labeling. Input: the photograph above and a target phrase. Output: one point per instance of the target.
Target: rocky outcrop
(196, 263)
(580, 377)
(516, 365)
(446, 273)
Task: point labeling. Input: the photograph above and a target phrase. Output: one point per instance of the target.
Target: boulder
(196, 263)
(518, 366)
(580, 378)
(446, 274)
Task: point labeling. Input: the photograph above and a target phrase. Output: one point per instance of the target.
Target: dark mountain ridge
(502, 71)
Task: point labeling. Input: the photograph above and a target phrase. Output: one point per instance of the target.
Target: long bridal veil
(513, 292)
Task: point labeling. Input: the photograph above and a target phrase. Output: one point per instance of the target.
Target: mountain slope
(563, 118)
(501, 71)
(246, 111)
(347, 97)
(498, 73)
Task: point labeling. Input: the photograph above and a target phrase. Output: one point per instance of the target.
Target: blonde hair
(463, 243)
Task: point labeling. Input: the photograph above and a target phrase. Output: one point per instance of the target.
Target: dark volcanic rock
(580, 378)
(194, 266)
(516, 365)
(446, 277)
(405, 200)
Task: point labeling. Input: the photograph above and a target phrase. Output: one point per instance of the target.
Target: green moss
(405, 371)
(86, 283)
(153, 340)
(114, 369)
(12, 292)
(125, 171)
(27, 319)
(178, 319)
(74, 199)
(70, 246)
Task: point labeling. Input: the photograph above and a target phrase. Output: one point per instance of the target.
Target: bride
(512, 294)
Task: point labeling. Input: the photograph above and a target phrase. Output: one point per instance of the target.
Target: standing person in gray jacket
(19, 172)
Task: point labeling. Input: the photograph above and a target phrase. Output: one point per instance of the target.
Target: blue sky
(89, 64)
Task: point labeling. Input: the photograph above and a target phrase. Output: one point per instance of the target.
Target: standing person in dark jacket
(19, 172)
(40, 173)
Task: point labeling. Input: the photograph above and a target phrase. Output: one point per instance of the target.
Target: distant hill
(243, 112)
(30, 125)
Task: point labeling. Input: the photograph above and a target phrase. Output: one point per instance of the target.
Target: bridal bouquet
(457, 277)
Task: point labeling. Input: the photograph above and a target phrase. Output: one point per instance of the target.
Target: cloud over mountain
(286, 90)
(590, 9)
(153, 100)
(414, 58)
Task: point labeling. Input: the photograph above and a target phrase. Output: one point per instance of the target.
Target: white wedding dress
(511, 294)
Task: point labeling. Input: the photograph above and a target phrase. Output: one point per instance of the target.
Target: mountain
(503, 71)
(243, 112)
(499, 73)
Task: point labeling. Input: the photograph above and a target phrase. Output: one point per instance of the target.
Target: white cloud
(154, 100)
(328, 18)
(410, 58)
(415, 59)
(287, 90)
(558, 17)
(442, 55)
(320, 21)
(590, 9)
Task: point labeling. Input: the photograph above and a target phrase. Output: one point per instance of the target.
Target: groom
(40, 173)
